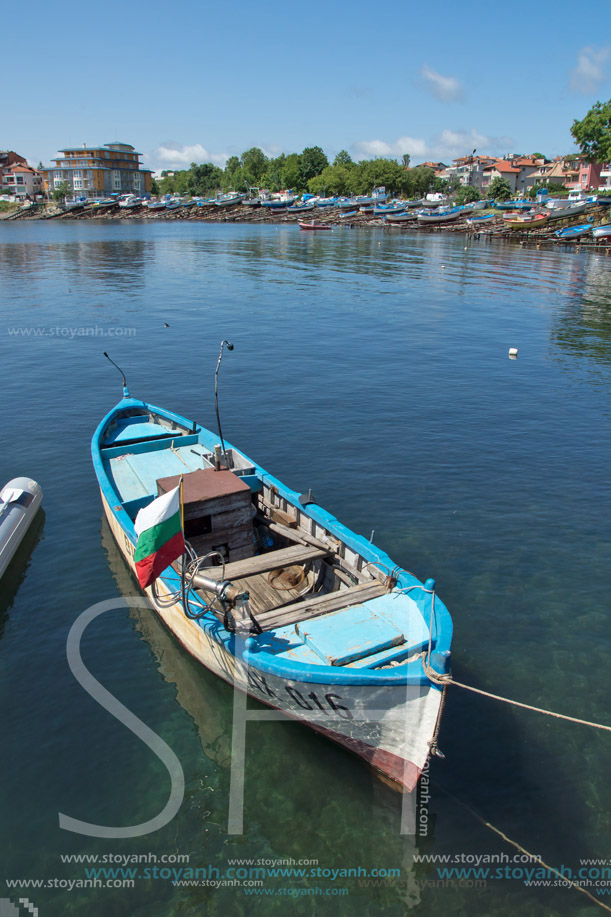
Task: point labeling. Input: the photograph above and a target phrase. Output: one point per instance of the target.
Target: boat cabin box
(218, 512)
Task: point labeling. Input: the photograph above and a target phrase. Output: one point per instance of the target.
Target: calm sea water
(371, 367)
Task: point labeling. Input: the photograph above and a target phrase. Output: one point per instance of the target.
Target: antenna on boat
(216, 396)
(125, 391)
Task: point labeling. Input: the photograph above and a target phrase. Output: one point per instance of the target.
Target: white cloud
(174, 156)
(450, 144)
(589, 72)
(446, 88)
(412, 145)
(271, 150)
(445, 146)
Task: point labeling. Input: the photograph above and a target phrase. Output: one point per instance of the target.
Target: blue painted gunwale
(251, 651)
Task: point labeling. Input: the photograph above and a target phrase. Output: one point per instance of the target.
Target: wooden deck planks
(314, 606)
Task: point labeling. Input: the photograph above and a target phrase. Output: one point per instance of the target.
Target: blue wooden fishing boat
(513, 205)
(574, 232)
(275, 595)
(480, 221)
(442, 215)
(229, 200)
(300, 208)
(383, 209)
(602, 232)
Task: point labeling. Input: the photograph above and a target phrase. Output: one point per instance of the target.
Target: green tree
(445, 187)
(343, 159)
(538, 156)
(593, 133)
(334, 180)
(406, 159)
(553, 190)
(272, 177)
(291, 172)
(466, 194)
(167, 183)
(154, 186)
(371, 173)
(254, 164)
(313, 161)
(232, 173)
(499, 188)
(422, 178)
(204, 178)
(61, 192)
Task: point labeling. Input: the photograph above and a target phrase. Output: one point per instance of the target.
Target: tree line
(309, 171)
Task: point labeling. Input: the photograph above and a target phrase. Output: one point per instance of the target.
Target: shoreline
(240, 213)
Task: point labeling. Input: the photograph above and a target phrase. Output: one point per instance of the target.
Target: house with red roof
(502, 168)
(21, 180)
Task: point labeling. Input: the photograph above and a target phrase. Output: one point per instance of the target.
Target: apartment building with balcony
(20, 180)
(98, 172)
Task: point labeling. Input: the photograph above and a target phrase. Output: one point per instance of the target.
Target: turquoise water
(371, 367)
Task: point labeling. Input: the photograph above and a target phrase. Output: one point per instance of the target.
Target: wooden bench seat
(263, 563)
(317, 605)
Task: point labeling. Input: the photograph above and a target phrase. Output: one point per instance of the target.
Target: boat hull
(18, 510)
(389, 725)
(307, 227)
(426, 218)
(574, 232)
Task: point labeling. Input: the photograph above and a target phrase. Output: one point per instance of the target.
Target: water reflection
(16, 571)
(195, 687)
(109, 264)
(583, 327)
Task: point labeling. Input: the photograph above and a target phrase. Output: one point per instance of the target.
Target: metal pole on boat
(125, 391)
(216, 396)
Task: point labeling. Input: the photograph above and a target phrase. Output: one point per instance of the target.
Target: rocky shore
(241, 213)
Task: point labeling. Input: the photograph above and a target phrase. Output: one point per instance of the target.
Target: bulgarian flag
(160, 538)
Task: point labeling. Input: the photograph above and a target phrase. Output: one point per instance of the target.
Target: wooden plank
(294, 534)
(283, 518)
(284, 557)
(320, 605)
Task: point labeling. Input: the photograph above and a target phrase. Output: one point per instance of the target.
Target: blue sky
(201, 81)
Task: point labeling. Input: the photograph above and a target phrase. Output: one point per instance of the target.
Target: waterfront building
(98, 172)
(19, 179)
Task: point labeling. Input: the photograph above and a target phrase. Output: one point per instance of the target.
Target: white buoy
(513, 352)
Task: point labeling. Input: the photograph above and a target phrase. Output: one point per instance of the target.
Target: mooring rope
(438, 679)
(445, 680)
(523, 850)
